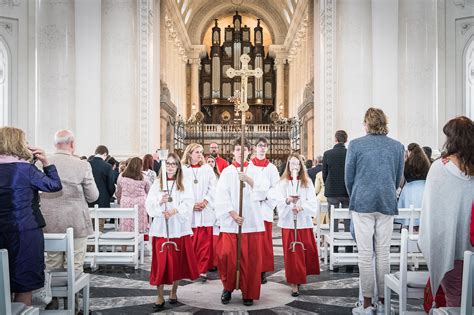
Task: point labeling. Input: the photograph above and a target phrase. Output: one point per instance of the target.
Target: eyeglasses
(261, 145)
(171, 164)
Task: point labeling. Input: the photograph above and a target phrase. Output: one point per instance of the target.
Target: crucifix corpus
(243, 107)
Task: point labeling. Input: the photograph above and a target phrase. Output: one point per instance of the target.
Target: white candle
(294, 183)
(163, 174)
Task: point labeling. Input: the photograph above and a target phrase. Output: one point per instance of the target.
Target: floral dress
(131, 192)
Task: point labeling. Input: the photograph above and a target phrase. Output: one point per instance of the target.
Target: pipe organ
(216, 88)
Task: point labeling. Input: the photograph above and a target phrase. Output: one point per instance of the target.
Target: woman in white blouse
(171, 206)
(297, 201)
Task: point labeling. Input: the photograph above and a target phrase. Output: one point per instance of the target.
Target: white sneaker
(360, 310)
(381, 309)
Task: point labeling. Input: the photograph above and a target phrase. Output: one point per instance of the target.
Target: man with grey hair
(68, 207)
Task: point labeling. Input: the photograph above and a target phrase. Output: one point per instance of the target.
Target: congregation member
(269, 173)
(214, 152)
(202, 180)
(374, 163)
(68, 207)
(296, 208)
(21, 220)
(171, 210)
(148, 171)
(446, 210)
(334, 161)
(252, 224)
(415, 171)
(313, 171)
(103, 177)
(132, 190)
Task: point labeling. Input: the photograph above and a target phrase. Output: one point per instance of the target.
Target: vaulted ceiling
(199, 15)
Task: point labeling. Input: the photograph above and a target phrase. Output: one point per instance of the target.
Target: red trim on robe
(300, 263)
(267, 246)
(202, 244)
(170, 265)
(237, 165)
(260, 163)
(196, 165)
(250, 263)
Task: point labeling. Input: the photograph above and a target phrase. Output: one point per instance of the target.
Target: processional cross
(243, 107)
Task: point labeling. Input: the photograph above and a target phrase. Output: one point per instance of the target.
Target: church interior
(142, 75)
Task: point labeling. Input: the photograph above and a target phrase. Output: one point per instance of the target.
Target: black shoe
(295, 294)
(173, 301)
(264, 278)
(226, 297)
(248, 302)
(203, 278)
(212, 269)
(158, 307)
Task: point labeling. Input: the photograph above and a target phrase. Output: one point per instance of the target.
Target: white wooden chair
(67, 283)
(6, 306)
(115, 238)
(407, 284)
(466, 293)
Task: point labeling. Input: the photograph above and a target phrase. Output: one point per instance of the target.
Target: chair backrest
(467, 281)
(116, 213)
(404, 260)
(5, 299)
(56, 242)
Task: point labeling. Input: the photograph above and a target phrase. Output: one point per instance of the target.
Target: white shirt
(307, 201)
(203, 189)
(227, 199)
(271, 178)
(178, 224)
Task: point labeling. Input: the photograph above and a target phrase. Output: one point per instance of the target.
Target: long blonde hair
(376, 121)
(303, 174)
(13, 143)
(186, 160)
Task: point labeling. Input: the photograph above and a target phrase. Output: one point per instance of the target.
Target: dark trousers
(340, 202)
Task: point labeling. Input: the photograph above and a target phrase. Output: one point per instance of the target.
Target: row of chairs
(64, 283)
(105, 243)
(328, 238)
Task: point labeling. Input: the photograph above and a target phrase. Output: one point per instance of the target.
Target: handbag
(43, 295)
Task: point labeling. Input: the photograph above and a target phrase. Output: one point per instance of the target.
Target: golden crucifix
(244, 72)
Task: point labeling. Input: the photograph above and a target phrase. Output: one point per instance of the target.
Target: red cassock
(267, 244)
(300, 263)
(170, 265)
(202, 243)
(221, 163)
(215, 238)
(250, 263)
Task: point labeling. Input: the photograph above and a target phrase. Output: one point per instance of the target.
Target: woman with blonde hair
(202, 180)
(171, 210)
(296, 206)
(20, 215)
(132, 189)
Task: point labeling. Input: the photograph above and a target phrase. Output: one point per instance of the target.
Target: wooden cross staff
(243, 73)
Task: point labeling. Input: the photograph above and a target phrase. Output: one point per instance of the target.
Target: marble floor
(123, 290)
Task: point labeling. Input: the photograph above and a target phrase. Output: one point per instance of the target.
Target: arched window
(4, 83)
(469, 78)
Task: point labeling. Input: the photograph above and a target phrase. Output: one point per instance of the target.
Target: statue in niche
(258, 37)
(215, 37)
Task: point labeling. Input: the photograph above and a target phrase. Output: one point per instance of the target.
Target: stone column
(195, 66)
(417, 104)
(280, 83)
(354, 65)
(56, 70)
(120, 106)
